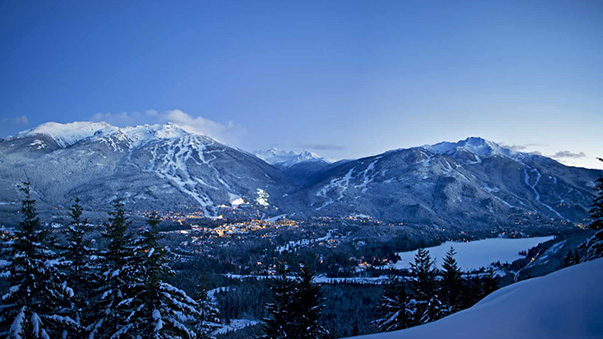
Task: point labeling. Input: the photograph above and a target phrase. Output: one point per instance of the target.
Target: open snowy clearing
(564, 304)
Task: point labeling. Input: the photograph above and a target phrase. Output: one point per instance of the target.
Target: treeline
(430, 294)
(427, 294)
(74, 290)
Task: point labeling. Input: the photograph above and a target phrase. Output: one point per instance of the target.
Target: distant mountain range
(468, 184)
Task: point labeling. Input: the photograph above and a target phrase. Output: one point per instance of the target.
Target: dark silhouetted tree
(208, 319)
(451, 283)
(296, 308)
(424, 288)
(571, 258)
(596, 211)
(395, 310)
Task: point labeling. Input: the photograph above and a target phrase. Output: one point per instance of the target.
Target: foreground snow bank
(564, 304)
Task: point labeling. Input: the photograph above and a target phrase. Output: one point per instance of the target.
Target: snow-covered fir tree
(596, 211)
(115, 280)
(308, 304)
(395, 309)
(424, 288)
(296, 308)
(79, 261)
(280, 319)
(451, 283)
(37, 304)
(592, 248)
(159, 310)
(208, 319)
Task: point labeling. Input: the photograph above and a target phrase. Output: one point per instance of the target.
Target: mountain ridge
(471, 183)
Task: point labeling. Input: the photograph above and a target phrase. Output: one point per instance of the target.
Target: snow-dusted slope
(564, 304)
(161, 167)
(473, 183)
(300, 168)
(286, 159)
(68, 134)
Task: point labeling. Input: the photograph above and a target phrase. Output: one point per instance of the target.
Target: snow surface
(479, 253)
(477, 146)
(564, 304)
(68, 134)
(71, 133)
(235, 325)
(275, 156)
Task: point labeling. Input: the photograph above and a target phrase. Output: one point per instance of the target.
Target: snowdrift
(564, 304)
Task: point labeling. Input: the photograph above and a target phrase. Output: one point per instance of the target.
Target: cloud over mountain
(568, 154)
(227, 133)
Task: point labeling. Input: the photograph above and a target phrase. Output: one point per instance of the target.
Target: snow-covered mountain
(287, 159)
(564, 304)
(159, 167)
(300, 167)
(473, 183)
(470, 184)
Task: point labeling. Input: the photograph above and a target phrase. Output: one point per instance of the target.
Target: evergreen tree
(424, 287)
(451, 282)
(471, 292)
(395, 309)
(159, 310)
(209, 316)
(489, 282)
(296, 308)
(116, 278)
(37, 303)
(308, 306)
(596, 212)
(78, 258)
(280, 320)
(571, 259)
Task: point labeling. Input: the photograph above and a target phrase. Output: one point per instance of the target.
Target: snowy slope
(68, 134)
(160, 167)
(564, 304)
(286, 159)
(471, 183)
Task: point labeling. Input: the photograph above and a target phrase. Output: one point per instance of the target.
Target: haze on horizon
(343, 79)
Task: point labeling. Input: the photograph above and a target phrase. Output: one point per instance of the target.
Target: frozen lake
(478, 253)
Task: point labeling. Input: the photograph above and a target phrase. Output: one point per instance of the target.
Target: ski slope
(564, 304)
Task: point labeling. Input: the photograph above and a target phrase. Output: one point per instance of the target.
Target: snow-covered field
(564, 304)
(235, 325)
(479, 253)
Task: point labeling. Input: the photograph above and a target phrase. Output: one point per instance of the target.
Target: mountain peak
(474, 145)
(70, 133)
(275, 156)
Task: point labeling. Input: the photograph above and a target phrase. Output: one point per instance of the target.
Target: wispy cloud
(322, 147)
(229, 132)
(568, 154)
(19, 120)
(519, 148)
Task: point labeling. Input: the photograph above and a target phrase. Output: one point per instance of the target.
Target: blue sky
(342, 78)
